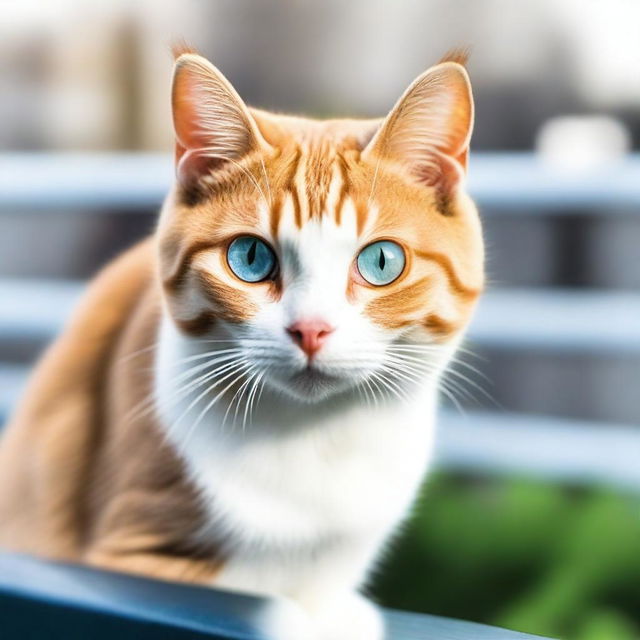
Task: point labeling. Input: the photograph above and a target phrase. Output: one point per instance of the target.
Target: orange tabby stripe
(318, 175)
(292, 187)
(175, 280)
(452, 276)
(362, 211)
(197, 326)
(297, 213)
(231, 304)
(344, 188)
(389, 310)
(435, 323)
(288, 186)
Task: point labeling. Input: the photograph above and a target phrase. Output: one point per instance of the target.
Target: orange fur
(80, 479)
(69, 489)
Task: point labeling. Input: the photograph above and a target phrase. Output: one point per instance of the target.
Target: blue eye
(381, 262)
(250, 259)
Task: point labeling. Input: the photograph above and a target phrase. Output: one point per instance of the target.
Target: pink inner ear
(440, 171)
(193, 163)
(186, 98)
(179, 152)
(192, 141)
(463, 159)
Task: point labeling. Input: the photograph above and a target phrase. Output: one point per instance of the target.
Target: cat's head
(328, 254)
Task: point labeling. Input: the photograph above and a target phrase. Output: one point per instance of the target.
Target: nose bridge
(317, 288)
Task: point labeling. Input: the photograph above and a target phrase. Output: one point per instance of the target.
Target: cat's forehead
(340, 133)
(316, 171)
(312, 159)
(320, 177)
(316, 182)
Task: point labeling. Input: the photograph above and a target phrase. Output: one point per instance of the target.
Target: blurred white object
(575, 144)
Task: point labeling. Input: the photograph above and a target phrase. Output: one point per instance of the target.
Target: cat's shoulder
(118, 285)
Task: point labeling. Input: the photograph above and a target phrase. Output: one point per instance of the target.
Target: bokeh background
(532, 519)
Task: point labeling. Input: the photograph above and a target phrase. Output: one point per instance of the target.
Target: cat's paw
(353, 618)
(284, 619)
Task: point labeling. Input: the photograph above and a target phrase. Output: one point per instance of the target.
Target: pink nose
(310, 335)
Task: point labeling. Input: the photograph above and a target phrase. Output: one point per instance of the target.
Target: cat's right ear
(429, 129)
(212, 124)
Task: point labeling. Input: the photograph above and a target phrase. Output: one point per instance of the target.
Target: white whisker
(249, 404)
(238, 373)
(135, 354)
(266, 180)
(237, 395)
(242, 370)
(246, 171)
(231, 370)
(150, 402)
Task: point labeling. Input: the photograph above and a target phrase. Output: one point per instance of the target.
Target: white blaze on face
(316, 263)
(316, 266)
(264, 218)
(317, 260)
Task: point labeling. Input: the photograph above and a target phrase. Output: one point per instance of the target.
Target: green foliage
(554, 560)
(609, 625)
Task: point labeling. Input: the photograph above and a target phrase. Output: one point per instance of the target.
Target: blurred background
(532, 520)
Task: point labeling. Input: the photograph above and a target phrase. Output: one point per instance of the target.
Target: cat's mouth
(314, 382)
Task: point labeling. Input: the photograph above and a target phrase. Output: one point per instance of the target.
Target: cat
(246, 399)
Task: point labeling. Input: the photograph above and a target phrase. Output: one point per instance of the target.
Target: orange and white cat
(246, 399)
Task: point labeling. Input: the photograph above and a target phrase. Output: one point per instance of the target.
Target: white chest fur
(300, 487)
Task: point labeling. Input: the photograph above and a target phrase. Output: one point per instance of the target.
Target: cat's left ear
(429, 129)
(212, 123)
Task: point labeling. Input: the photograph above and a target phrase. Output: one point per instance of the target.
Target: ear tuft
(180, 47)
(459, 55)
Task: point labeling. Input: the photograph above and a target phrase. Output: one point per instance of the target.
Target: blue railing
(114, 182)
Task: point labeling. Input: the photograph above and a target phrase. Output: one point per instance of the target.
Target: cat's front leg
(350, 617)
(330, 596)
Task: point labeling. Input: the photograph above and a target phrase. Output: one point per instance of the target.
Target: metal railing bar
(502, 183)
(567, 321)
(497, 442)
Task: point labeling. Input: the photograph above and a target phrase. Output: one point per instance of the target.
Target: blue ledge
(41, 600)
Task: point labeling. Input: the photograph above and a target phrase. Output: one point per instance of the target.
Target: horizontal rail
(562, 449)
(40, 599)
(92, 182)
(555, 320)
(12, 382)
(33, 309)
(498, 442)
(511, 183)
(560, 320)
(522, 183)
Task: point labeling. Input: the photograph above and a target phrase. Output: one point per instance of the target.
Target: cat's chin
(311, 385)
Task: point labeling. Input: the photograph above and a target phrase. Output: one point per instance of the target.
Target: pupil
(381, 260)
(251, 254)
